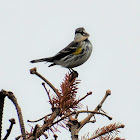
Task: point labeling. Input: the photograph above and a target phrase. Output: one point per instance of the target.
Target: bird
(73, 55)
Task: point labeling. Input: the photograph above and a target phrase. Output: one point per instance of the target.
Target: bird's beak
(86, 35)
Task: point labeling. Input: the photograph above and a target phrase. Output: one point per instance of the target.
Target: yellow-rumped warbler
(75, 54)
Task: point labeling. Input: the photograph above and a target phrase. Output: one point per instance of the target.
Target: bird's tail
(42, 60)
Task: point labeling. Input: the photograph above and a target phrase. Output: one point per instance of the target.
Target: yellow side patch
(78, 50)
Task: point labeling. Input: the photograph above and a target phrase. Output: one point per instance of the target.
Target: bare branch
(45, 135)
(86, 111)
(89, 93)
(14, 100)
(83, 122)
(34, 71)
(47, 124)
(47, 93)
(55, 137)
(39, 119)
(2, 99)
(62, 118)
(12, 121)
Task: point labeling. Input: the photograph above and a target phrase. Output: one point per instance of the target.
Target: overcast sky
(37, 29)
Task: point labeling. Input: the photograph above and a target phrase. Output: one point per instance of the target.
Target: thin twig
(108, 92)
(47, 93)
(47, 125)
(12, 121)
(14, 100)
(55, 137)
(45, 135)
(39, 119)
(86, 111)
(62, 118)
(89, 93)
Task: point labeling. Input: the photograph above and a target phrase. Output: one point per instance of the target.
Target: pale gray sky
(36, 29)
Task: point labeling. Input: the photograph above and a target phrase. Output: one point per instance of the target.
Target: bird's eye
(77, 32)
(83, 33)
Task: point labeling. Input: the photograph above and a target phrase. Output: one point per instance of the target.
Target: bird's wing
(71, 48)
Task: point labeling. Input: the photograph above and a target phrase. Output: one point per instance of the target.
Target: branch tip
(33, 70)
(12, 121)
(122, 126)
(110, 118)
(43, 83)
(55, 136)
(108, 92)
(89, 93)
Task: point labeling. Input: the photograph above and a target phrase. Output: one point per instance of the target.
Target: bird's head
(80, 34)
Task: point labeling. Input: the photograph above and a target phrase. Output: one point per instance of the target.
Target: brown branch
(89, 93)
(73, 125)
(108, 92)
(83, 122)
(47, 93)
(39, 119)
(18, 137)
(34, 71)
(21, 122)
(93, 121)
(45, 135)
(86, 111)
(14, 100)
(12, 121)
(62, 118)
(55, 136)
(2, 99)
(47, 125)
(35, 130)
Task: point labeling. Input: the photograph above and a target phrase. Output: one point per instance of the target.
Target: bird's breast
(78, 50)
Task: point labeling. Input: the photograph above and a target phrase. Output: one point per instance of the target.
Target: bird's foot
(73, 74)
